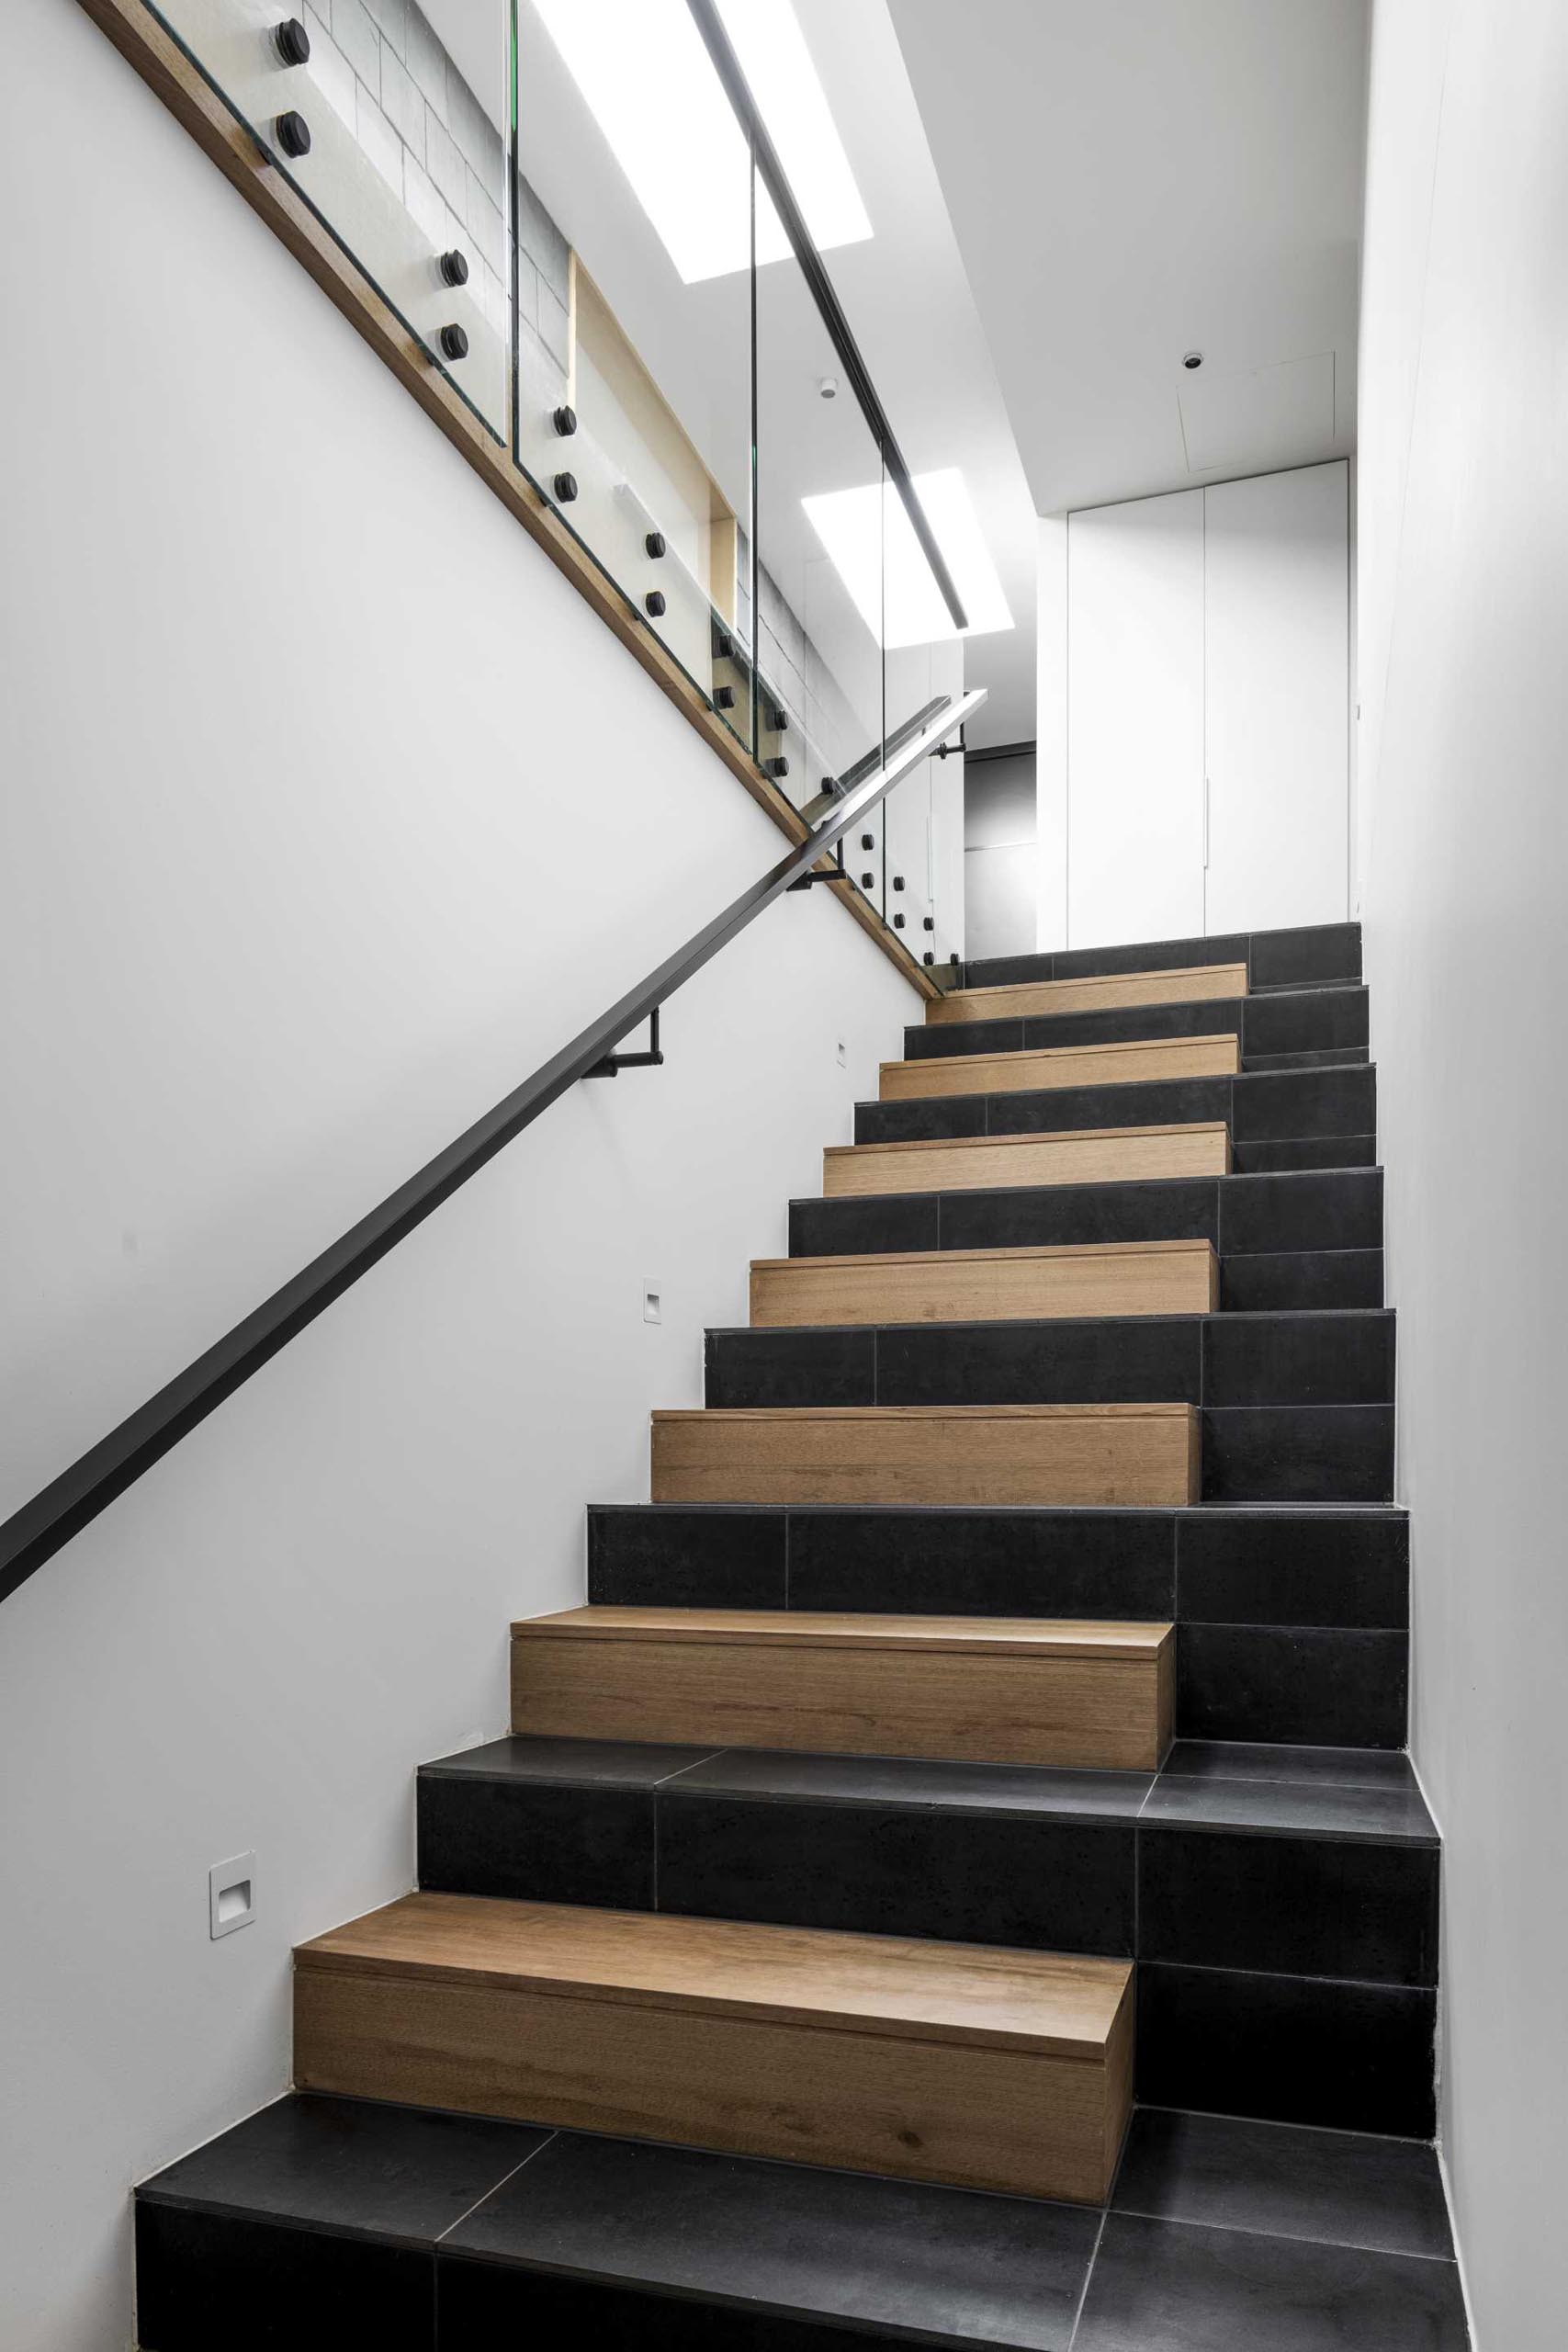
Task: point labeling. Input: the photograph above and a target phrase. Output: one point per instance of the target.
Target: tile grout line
(1088, 2272)
(496, 2186)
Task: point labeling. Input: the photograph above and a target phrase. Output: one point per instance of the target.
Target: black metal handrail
(772, 173)
(72, 1501)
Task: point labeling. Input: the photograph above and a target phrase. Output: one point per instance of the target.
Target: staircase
(995, 1718)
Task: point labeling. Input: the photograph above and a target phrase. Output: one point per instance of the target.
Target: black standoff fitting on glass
(291, 41)
(778, 766)
(724, 698)
(778, 719)
(565, 421)
(566, 487)
(928, 922)
(292, 133)
(897, 881)
(653, 604)
(868, 881)
(655, 544)
(868, 840)
(928, 958)
(723, 644)
(897, 923)
(454, 342)
(454, 267)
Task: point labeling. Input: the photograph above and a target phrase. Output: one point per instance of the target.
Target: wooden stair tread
(1053, 1156)
(1003, 1143)
(1114, 1062)
(1104, 992)
(1025, 1253)
(822, 1629)
(887, 1986)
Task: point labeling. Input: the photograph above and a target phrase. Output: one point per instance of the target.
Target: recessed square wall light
(868, 534)
(651, 87)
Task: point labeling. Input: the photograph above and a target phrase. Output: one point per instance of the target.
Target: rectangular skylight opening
(869, 537)
(650, 85)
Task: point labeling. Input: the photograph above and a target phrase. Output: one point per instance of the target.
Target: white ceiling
(1132, 179)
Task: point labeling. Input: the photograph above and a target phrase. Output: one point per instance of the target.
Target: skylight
(648, 82)
(868, 534)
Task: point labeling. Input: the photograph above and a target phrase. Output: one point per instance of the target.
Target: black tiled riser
(1290, 1625)
(1307, 958)
(1332, 1886)
(1317, 1212)
(1304, 1111)
(1237, 2234)
(1310, 1021)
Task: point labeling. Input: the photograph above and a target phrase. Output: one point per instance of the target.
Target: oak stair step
(927, 1453)
(1119, 1062)
(1095, 1695)
(979, 1163)
(1179, 1277)
(1100, 994)
(975, 2067)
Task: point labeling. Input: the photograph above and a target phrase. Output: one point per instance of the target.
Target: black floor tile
(1298, 1454)
(1147, 956)
(685, 1555)
(1306, 958)
(1057, 1216)
(1336, 1359)
(1167, 2287)
(1306, 1686)
(985, 1563)
(1135, 1359)
(856, 1223)
(1293, 1568)
(1288, 2048)
(946, 1037)
(1329, 1768)
(1300, 1281)
(1317, 1808)
(392, 2173)
(1298, 1152)
(770, 1368)
(1318, 1057)
(1288, 1104)
(1337, 2187)
(935, 1115)
(523, 1760)
(205, 2280)
(1306, 1021)
(537, 1842)
(945, 2266)
(1285, 1905)
(1333, 1209)
(1207, 1017)
(1143, 1103)
(1017, 1878)
(486, 2304)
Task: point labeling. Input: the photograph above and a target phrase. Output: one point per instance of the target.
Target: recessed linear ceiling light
(872, 542)
(650, 85)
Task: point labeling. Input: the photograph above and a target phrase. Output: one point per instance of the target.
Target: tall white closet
(1207, 710)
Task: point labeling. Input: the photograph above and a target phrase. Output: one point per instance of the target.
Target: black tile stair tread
(1219, 2231)
(948, 2266)
(568, 1763)
(1172, 2287)
(1287, 2180)
(1240, 1759)
(1383, 1804)
(402, 2176)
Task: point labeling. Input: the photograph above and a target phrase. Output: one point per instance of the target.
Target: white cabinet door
(1276, 664)
(1136, 721)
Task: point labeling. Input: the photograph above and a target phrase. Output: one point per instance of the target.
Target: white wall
(329, 812)
(1463, 516)
(999, 856)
